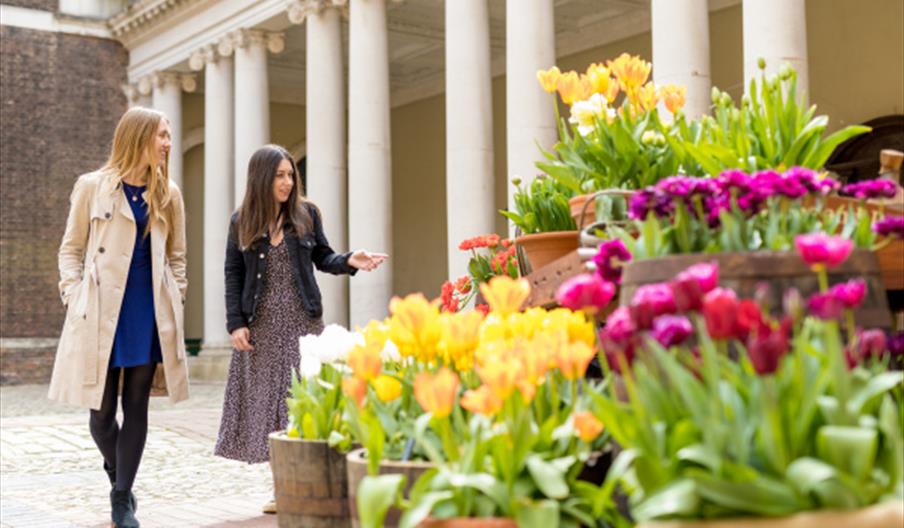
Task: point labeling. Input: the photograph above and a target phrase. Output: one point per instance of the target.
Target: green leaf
(814, 478)
(678, 499)
(541, 514)
(877, 385)
(419, 511)
(851, 449)
(548, 478)
(760, 496)
(376, 494)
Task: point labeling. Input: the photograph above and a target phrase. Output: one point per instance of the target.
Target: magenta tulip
(671, 330)
(588, 292)
(820, 248)
(651, 301)
(825, 306)
(609, 260)
(850, 293)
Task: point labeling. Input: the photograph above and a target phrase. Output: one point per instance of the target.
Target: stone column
(167, 97)
(218, 186)
(252, 97)
(775, 30)
(470, 198)
(138, 93)
(369, 164)
(530, 46)
(325, 137)
(681, 50)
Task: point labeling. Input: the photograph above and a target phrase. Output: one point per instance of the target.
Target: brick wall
(44, 5)
(61, 99)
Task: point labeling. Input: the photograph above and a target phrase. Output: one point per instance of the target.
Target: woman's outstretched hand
(365, 260)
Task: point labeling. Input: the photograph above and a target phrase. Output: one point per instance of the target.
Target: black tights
(122, 448)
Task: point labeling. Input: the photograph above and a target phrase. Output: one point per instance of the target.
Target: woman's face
(284, 181)
(162, 143)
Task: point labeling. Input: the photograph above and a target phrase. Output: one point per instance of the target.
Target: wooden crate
(546, 280)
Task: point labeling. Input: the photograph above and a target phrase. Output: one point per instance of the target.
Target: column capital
(243, 38)
(185, 81)
(132, 93)
(205, 55)
(298, 10)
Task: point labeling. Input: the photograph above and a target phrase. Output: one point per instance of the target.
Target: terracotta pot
(887, 515)
(356, 462)
(469, 522)
(309, 482)
(744, 271)
(543, 248)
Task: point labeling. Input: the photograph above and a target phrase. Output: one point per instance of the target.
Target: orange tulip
(673, 97)
(549, 79)
(481, 401)
(573, 360)
(647, 97)
(365, 361)
(630, 72)
(355, 389)
(501, 374)
(436, 392)
(571, 87)
(586, 425)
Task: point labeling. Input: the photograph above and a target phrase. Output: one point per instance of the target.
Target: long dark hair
(259, 208)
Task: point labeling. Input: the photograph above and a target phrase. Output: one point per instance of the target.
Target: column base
(211, 364)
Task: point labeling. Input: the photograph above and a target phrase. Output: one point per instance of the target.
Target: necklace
(134, 197)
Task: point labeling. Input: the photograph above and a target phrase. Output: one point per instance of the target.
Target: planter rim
(547, 234)
(358, 456)
(281, 435)
(653, 267)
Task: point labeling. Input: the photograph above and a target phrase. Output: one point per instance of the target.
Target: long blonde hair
(133, 146)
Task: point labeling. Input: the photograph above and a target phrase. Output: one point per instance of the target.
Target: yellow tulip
(549, 79)
(365, 361)
(630, 72)
(436, 392)
(500, 374)
(481, 401)
(376, 332)
(573, 360)
(504, 294)
(414, 326)
(586, 425)
(461, 332)
(599, 78)
(387, 387)
(673, 97)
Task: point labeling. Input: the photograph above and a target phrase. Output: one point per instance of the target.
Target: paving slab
(51, 472)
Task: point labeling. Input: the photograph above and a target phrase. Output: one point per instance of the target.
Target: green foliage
(542, 208)
(316, 406)
(774, 128)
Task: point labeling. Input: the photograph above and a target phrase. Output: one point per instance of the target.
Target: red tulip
(720, 310)
(766, 349)
(749, 319)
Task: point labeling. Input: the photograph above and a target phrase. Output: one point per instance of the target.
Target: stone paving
(51, 472)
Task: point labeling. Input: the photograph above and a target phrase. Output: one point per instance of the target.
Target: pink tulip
(705, 273)
(720, 310)
(671, 330)
(618, 338)
(820, 248)
(588, 292)
(649, 302)
(850, 293)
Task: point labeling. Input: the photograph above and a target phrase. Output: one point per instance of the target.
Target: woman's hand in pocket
(241, 339)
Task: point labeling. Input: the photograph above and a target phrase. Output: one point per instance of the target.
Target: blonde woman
(122, 279)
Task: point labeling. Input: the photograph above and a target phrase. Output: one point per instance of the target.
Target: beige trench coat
(94, 261)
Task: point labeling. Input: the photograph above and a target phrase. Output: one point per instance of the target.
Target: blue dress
(136, 341)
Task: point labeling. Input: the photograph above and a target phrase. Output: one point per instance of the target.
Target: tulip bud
(785, 72)
(763, 296)
(761, 63)
(793, 303)
(725, 99)
(516, 181)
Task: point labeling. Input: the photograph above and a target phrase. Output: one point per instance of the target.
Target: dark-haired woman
(275, 240)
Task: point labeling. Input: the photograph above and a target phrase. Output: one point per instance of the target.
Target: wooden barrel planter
(309, 482)
(744, 271)
(885, 515)
(469, 522)
(543, 248)
(357, 469)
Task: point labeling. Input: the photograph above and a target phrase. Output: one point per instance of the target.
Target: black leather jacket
(245, 270)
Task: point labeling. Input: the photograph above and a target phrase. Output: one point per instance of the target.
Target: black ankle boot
(123, 515)
(111, 474)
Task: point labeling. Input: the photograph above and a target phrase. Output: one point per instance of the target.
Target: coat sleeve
(176, 246)
(71, 256)
(235, 281)
(323, 255)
